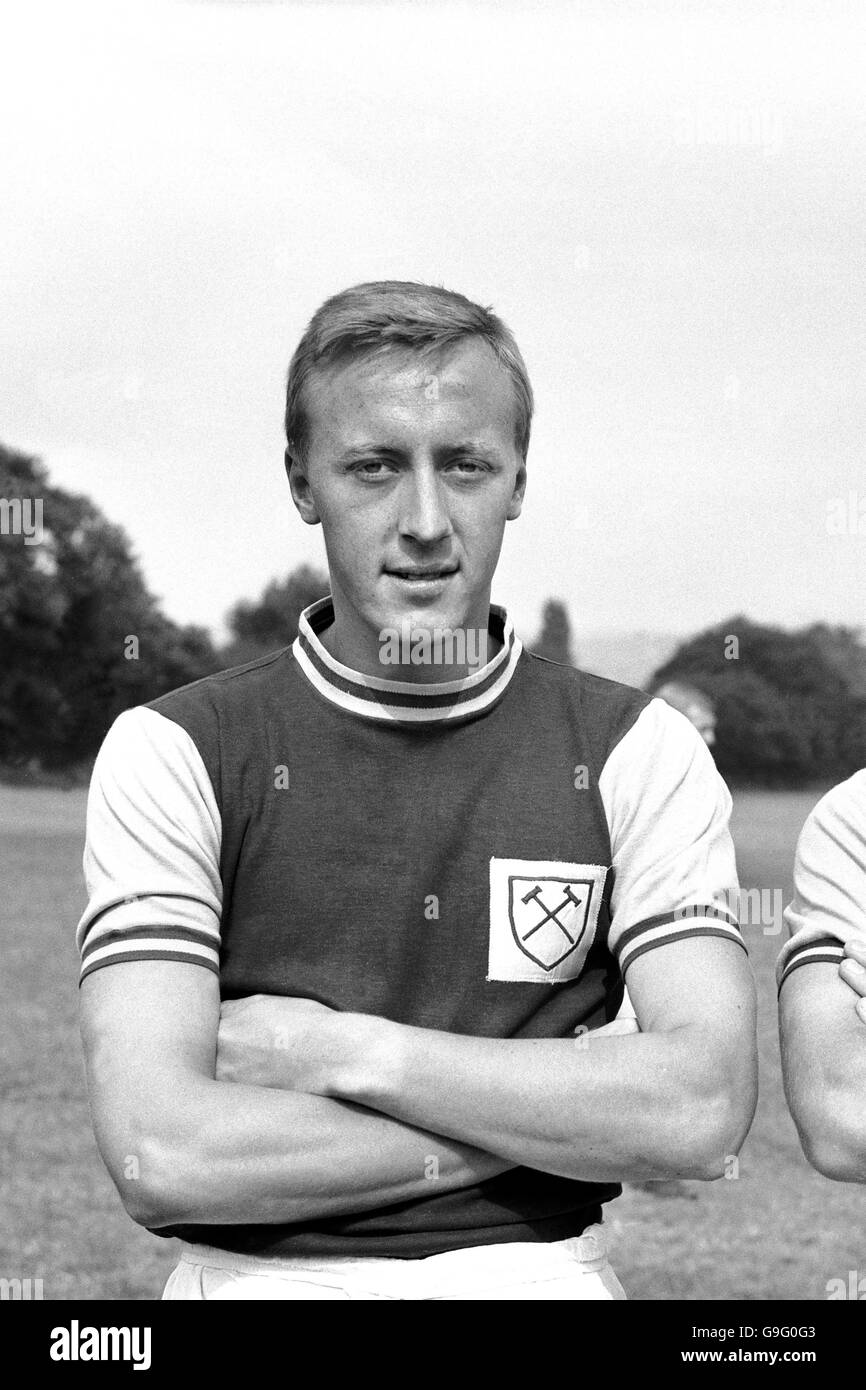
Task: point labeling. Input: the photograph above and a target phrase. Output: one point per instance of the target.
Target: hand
(286, 1043)
(617, 1026)
(853, 972)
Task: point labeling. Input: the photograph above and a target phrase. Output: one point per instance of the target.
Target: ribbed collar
(404, 702)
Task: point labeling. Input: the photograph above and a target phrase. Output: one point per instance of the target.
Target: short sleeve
(151, 859)
(829, 903)
(668, 812)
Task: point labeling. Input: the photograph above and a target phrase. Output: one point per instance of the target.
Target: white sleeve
(674, 868)
(829, 903)
(151, 860)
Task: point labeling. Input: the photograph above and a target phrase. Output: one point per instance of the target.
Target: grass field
(778, 1231)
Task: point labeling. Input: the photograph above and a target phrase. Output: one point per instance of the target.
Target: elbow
(710, 1130)
(153, 1210)
(151, 1185)
(148, 1211)
(833, 1137)
(152, 1143)
(709, 1150)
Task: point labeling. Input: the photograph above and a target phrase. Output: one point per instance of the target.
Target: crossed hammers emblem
(550, 913)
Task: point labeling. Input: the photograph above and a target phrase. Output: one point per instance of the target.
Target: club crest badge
(545, 929)
(543, 918)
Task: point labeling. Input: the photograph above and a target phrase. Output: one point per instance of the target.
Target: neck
(412, 651)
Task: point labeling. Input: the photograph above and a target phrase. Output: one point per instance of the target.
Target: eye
(468, 467)
(371, 469)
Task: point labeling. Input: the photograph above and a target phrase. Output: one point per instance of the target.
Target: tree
(81, 637)
(843, 648)
(554, 639)
(262, 625)
(787, 707)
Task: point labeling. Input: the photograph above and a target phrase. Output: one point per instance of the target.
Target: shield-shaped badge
(549, 916)
(544, 916)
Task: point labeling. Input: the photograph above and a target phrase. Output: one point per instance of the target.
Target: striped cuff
(150, 943)
(698, 919)
(825, 948)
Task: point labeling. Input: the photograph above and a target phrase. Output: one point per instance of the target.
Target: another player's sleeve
(674, 867)
(151, 860)
(829, 903)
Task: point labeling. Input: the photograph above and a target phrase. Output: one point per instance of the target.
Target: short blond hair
(388, 315)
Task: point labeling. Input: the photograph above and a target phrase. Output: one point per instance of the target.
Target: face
(704, 721)
(413, 470)
(706, 727)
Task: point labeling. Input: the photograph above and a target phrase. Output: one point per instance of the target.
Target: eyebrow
(361, 450)
(466, 446)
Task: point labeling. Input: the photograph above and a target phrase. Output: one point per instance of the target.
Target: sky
(666, 202)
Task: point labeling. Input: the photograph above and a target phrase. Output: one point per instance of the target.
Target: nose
(424, 515)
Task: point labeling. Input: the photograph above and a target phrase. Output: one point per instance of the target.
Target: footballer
(358, 932)
(822, 985)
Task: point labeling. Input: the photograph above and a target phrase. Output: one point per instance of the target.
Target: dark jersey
(484, 857)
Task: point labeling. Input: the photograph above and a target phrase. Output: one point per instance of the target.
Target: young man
(822, 984)
(354, 925)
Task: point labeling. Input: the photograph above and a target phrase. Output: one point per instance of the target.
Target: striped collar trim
(404, 702)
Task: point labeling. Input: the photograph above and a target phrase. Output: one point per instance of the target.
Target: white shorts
(576, 1268)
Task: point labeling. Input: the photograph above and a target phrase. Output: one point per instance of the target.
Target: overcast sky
(667, 202)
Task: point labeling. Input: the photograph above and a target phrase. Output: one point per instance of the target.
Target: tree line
(82, 639)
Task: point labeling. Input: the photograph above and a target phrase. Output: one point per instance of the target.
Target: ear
(516, 504)
(301, 491)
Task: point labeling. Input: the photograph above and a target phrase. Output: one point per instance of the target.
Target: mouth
(423, 575)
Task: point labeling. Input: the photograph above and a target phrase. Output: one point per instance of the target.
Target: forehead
(387, 397)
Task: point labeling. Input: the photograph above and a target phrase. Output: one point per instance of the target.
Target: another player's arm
(822, 1013)
(183, 1147)
(823, 1042)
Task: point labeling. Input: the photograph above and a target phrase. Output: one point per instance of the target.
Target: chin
(431, 615)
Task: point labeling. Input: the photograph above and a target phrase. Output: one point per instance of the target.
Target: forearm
(594, 1108)
(184, 1147)
(240, 1154)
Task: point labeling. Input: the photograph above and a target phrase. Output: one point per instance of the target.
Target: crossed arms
(286, 1111)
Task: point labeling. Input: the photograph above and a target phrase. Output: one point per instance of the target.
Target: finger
(854, 975)
(860, 1010)
(235, 1006)
(222, 1066)
(856, 950)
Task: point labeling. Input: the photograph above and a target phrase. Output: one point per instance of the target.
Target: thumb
(618, 1027)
